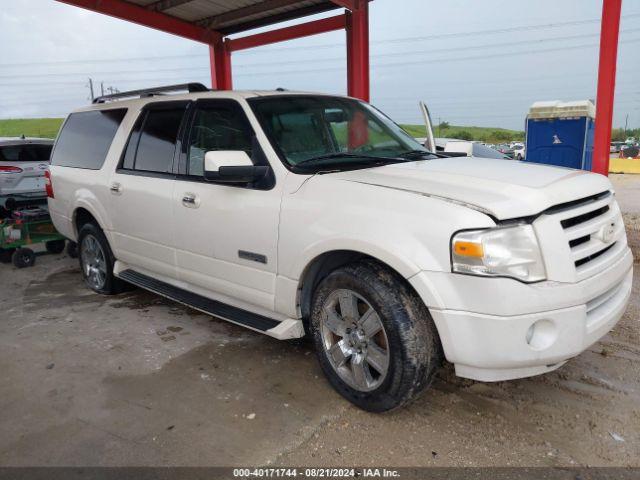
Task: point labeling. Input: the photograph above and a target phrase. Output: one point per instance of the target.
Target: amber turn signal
(468, 249)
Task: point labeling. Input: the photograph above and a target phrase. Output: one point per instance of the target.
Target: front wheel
(374, 338)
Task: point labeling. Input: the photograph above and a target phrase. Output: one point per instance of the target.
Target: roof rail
(150, 92)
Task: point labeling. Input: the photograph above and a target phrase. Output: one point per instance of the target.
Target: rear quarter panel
(76, 188)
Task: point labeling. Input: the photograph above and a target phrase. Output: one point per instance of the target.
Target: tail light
(48, 186)
(10, 169)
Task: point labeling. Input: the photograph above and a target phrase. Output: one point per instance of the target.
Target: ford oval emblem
(607, 231)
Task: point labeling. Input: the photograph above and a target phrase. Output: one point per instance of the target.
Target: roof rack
(150, 92)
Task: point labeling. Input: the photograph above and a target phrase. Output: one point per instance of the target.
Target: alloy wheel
(94, 263)
(354, 340)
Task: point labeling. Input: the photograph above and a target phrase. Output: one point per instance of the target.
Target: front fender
(409, 232)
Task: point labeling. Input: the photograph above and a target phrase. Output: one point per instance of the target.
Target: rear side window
(86, 137)
(152, 144)
(25, 153)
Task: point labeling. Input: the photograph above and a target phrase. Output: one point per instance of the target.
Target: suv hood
(501, 188)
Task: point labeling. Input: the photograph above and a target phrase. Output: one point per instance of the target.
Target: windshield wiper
(367, 160)
(416, 154)
(330, 156)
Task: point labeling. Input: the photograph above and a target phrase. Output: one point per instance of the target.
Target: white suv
(292, 213)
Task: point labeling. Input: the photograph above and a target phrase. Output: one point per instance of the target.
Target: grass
(30, 127)
(483, 134)
(48, 128)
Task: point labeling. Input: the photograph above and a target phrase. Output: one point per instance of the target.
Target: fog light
(542, 334)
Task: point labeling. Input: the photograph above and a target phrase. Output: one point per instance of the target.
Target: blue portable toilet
(561, 133)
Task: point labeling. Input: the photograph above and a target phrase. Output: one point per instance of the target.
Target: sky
(473, 62)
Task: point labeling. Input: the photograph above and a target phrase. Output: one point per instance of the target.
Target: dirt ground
(89, 380)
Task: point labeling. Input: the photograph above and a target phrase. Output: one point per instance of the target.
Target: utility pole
(626, 122)
(91, 89)
(102, 88)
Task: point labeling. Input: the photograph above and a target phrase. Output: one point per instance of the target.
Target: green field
(48, 128)
(30, 127)
(483, 134)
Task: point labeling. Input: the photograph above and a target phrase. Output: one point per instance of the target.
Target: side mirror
(231, 166)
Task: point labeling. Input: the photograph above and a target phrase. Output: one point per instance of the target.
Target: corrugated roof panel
(195, 11)
(264, 14)
(142, 2)
(199, 9)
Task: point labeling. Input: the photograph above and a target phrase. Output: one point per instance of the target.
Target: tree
(443, 125)
(462, 135)
(500, 135)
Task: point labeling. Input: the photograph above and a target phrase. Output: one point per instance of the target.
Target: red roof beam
(348, 4)
(152, 19)
(315, 27)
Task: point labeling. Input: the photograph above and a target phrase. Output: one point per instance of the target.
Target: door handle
(115, 187)
(189, 200)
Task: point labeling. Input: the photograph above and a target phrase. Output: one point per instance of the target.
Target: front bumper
(496, 329)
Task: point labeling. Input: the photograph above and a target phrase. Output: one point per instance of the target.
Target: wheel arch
(324, 263)
(82, 216)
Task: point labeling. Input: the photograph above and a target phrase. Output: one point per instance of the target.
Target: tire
(406, 335)
(97, 260)
(72, 249)
(23, 257)
(6, 255)
(55, 246)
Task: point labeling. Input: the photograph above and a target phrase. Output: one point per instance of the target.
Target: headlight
(499, 252)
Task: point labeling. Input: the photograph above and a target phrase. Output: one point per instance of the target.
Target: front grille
(585, 217)
(593, 256)
(579, 241)
(592, 228)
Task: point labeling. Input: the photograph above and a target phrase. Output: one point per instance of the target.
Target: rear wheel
(375, 339)
(55, 246)
(96, 261)
(23, 257)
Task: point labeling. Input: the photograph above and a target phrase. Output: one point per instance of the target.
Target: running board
(206, 305)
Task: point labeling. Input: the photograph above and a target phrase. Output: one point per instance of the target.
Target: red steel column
(358, 51)
(220, 59)
(606, 84)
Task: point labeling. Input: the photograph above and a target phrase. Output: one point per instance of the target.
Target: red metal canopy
(211, 23)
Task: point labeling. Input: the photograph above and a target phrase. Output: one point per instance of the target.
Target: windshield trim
(274, 144)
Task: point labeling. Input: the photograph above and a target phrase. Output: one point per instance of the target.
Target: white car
(460, 148)
(292, 213)
(519, 151)
(23, 162)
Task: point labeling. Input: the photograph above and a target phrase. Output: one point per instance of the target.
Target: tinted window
(157, 142)
(223, 127)
(132, 145)
(25, 153)
(86, 137)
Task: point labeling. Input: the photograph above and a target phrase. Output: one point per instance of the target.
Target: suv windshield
(312, 132)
